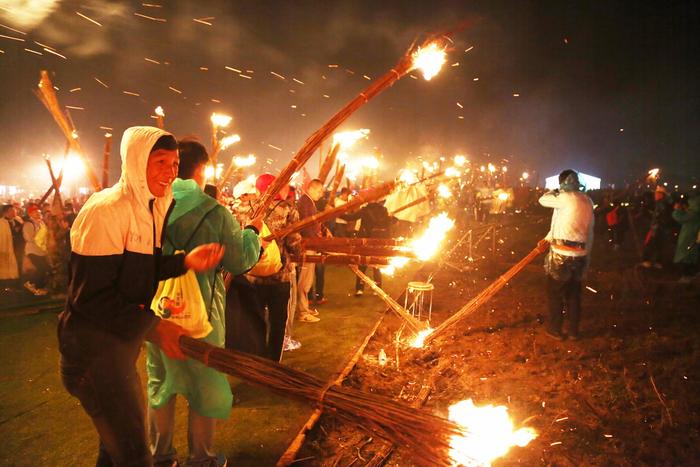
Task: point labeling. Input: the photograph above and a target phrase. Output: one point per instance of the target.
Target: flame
(444, 191)
(419, 340)
(492, 168)
(108, 135)
(348, 138)
(452, 172)
(244, 161)
(220, 120)
(526, 175)
(395, 263)
(429, 60)
(460, 160)
(653, 173)
(370, 162)
(428, 244)
(488, 433)
(503, 196)
(407, 176)
(504, 169)
(211, 172)
(73, 167)
(159, 111)
(228, 141)
(74, 134)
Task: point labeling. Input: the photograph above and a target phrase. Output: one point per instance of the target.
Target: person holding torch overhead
(571, 239)
(116, 263)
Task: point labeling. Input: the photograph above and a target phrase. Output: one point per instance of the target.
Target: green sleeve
(242, 246)
(681, 216)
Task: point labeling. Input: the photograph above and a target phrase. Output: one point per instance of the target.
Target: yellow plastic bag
(180, 301)
(271, 260)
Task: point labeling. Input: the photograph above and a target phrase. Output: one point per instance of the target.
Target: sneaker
(308, 318)
(33, 290)
(291, 344)
(646, 264)
(321, 301)
(313, 311)
(359, 293)
(555, 335)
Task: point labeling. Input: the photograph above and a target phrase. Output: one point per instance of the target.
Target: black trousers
(653, 250)
(276, 298)
(109, 390)
(359, 285)
(39, 277)
(564, 295)
(246, 329)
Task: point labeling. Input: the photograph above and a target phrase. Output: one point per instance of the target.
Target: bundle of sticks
(329, 242)
(486, 294)
(427, 434)
(362, 260)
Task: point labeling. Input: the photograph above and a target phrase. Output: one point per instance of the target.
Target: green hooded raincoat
(206, 390)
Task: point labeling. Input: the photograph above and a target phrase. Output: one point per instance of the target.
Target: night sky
(582, 71)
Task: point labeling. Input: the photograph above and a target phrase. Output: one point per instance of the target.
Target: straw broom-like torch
(486, 294)
(328, 163)
(374, 250)
(429, 57)
(160, 117)
(47, 96)
(330, 242)
(322, 258)
(427, 435)
(339, 174)
(367, 197)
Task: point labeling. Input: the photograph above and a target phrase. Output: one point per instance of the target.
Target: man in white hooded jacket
(115, 265)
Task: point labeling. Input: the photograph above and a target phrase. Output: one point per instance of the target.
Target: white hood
(118, 218)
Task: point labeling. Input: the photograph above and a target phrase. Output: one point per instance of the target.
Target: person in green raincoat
(197, 219)
(687, 247)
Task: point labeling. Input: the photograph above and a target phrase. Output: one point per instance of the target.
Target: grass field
(40, 424)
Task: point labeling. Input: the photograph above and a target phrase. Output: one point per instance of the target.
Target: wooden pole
(339, 174)
(341, 259)
(47, 95)
(328, 162)
(316, 243)
(374, 250)
(371, 195)
(486, 294)
(415, 325)
(105, 159)
(415, 202)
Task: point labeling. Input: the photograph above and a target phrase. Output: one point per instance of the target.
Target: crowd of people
(163, 254)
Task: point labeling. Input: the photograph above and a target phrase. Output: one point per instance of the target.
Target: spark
(515, 94)
(326, 96)
(332, 66)
(132, 93)
(236, 70)
(72, 107)
(18, 39)
(108, 135)
(220, 120)
(460, 160)
(475, 79)
(174, 90)
(44, 45)
(347, 138)
(455, 64)
(470, 48)
(460, 105)
(87, 18)
(227, 141)
(250, 71)
(109, 128)
(297, 81)
(159, 111)
(274, 147)
(53, 52)
(525, 175)
(201, 21)
(245, 76)
(203, 68)
(419, 340)
(245, 161)
(33, 51)
(13, 29)
(101, 82)
(151, 60)
(443, 191)
(367, 77)
(488, 433)
(278, 75)
(348, 71)
(429, 60)
(592, 289)
(160, 20)
(152, 5)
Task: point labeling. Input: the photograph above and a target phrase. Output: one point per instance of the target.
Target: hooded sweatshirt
(116, 260)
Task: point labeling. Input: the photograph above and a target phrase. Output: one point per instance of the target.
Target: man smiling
(116, 262)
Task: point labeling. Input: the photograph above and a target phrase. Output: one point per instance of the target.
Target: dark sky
(583, 71)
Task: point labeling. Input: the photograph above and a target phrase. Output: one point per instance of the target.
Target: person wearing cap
(35, 235)
(659, 229)
(571, 238)
(197, 219)
(115, 265)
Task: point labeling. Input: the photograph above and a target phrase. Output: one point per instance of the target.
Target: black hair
(4, 208)
(315, 182)
(566, 173)
(192, 155)
(167, 142)
(211, 190)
